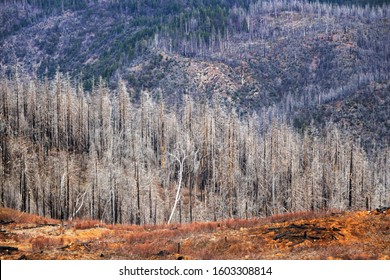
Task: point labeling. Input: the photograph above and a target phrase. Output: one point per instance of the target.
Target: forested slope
(287, 58)
(143, 112)
(67, 153)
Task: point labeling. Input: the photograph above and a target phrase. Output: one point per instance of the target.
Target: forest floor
(344, 235)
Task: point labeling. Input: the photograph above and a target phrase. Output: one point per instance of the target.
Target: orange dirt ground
(297, 236)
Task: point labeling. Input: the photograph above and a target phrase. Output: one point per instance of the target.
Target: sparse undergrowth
(356, 235)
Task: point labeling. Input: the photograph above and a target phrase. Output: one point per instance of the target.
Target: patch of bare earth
(347, 235)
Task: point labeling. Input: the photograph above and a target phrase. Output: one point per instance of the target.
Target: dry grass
(288, 217)
(40, 243)
(85, 224)
(363, 236)
(7, 214)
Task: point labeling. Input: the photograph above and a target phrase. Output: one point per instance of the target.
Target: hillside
(285, 58)
(337, 235)
(160, 112)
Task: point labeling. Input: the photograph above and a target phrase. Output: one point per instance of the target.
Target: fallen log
(380, 210)
(6, 222)
(319, 228)
(314, 237)
(297, 226)
(8, 249)
(64, 247)
(296, 236)
(297, 233)
(23, 257)
(281, 235)
(274, 229)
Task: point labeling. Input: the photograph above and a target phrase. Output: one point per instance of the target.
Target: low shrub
(85, 224)
(41, 243)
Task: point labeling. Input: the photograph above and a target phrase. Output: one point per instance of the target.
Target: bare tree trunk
(350, 191)
(138, 214)
(180, 175)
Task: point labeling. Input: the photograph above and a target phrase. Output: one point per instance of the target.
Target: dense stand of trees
(67, 153)
(192, 28)
(354, 2)
(214, 27)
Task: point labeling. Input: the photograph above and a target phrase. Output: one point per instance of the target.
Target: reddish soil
(347, 235)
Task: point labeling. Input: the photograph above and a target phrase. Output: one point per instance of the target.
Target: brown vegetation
(349, 235)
